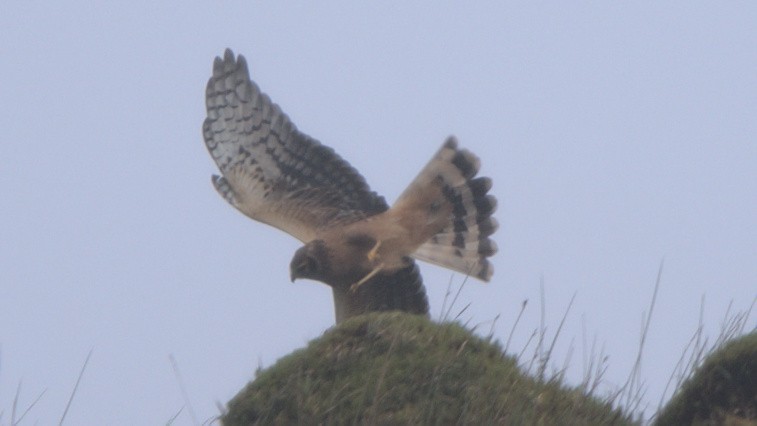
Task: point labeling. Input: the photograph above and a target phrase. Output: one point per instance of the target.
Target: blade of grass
(184, 394)
(76, 387)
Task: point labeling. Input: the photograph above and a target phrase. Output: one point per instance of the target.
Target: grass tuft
(395, 368)
(723, 390)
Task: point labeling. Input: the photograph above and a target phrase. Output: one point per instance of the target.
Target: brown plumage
(354, 242)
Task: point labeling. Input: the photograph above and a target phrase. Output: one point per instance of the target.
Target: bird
(353, 240)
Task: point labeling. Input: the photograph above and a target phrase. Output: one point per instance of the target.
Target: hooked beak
(293, 273)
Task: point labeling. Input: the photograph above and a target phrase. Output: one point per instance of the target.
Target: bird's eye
(311, 265)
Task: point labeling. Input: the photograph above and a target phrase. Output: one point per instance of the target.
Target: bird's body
(354, 242)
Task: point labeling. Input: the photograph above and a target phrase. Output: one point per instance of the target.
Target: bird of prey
(353, 241)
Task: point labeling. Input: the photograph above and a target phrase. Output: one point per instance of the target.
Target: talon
(373, 253)
(367, 277)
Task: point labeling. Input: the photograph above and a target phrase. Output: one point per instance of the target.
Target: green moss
(404, 369)
(722, 391)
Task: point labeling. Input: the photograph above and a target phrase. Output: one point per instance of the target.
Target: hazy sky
(616, 136)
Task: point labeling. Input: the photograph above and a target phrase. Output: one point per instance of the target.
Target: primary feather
(270, 170)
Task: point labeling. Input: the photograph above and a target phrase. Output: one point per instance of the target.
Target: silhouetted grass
(14, 420)
(717, 383)
(403, 369)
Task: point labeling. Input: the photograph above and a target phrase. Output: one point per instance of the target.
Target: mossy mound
(404, 369)
(722, 391)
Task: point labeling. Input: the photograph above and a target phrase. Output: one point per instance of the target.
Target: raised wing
(270, 171)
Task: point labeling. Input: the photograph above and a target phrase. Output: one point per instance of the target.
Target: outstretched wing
(270, 171)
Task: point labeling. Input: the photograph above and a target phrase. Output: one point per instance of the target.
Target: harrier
(353, 241)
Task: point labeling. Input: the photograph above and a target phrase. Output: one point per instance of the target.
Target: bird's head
(310, 261)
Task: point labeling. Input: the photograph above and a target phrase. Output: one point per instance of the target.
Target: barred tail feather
(457, 210)
(466, 262)
(465, 251)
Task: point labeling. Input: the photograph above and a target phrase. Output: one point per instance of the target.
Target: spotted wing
(270, 171)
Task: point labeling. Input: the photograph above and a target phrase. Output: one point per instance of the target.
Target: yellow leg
(374, 251)
(367, 277)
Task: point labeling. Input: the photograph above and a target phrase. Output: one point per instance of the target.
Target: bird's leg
(367, 277)
(373, 253)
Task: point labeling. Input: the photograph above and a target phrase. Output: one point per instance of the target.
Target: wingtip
(217, 65)
(242, 65)
(228, 61)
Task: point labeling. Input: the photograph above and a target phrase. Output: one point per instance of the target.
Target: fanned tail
(457, 212)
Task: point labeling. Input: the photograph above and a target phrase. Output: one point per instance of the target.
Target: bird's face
(309, 262)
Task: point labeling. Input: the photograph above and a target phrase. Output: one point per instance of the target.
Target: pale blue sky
(616, 136)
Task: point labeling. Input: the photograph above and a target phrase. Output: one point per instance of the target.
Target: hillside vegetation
(723, 390)
(397, 368)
